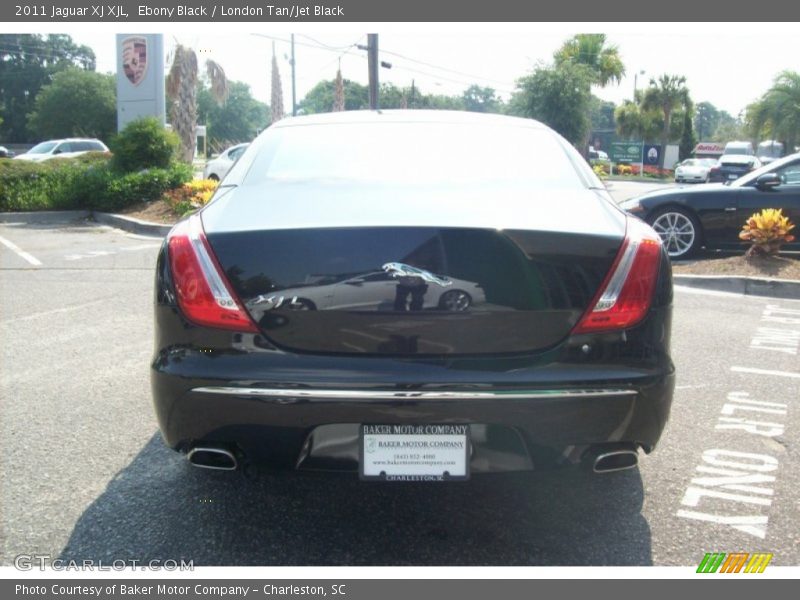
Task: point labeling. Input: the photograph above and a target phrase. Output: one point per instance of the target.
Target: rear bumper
(317, 428)
(690, 178)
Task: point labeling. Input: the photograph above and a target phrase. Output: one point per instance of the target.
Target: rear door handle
(730, 209)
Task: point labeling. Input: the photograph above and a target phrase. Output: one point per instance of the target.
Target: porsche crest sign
(134, 58)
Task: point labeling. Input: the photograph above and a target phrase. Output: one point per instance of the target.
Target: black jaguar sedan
(713, 215)
(409, 296)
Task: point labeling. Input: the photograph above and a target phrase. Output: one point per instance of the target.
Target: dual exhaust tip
(212, 457)
(609, 460)
(602, 460)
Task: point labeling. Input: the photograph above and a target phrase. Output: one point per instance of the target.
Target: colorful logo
(720, 562)
(134, 58)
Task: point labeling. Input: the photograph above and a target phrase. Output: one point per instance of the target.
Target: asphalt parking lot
(86, 476)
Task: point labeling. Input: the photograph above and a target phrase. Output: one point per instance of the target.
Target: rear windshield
(738, 150)
(413, 153)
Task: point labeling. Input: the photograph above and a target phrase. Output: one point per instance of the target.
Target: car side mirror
(768, 181)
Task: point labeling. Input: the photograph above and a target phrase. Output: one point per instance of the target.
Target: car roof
(72, 140)
(408, 116)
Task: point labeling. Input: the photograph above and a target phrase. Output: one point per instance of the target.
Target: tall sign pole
(140, 77)
(372, 65)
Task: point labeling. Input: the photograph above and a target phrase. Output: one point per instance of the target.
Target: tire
(455, 301)
(679, 230)
(301, 304)
(213, 177)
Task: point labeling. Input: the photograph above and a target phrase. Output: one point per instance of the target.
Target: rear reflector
(626, 294)
(203, 294)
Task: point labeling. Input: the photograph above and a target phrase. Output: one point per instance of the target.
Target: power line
(327, 46)
(427, 64)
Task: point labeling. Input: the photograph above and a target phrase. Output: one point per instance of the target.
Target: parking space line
(20, 252)
(53, 312)
(765, 372)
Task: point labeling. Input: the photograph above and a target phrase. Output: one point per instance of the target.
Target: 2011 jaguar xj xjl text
(412, 295)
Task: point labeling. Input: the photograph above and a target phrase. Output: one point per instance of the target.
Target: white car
(694, 170)
(377, 290)
(218, 167)
(66, 148)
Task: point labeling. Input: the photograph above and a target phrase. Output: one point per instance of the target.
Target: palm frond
(219, 82)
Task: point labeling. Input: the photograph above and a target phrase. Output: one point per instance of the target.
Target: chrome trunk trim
(338, 394)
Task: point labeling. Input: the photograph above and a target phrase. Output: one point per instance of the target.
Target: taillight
(626, 294)
(203, 294)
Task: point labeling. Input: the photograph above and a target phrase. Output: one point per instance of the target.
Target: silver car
(694, 170)
(66, 148)
(218, 167)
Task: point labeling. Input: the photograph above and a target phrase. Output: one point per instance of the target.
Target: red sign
(709, 148)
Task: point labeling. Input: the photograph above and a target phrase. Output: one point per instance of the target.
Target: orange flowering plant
(767, 231)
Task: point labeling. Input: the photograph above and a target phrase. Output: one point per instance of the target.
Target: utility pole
(294, 86)
(372, 65)
(411, 104)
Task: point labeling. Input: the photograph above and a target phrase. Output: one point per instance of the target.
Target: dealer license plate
(414, 452)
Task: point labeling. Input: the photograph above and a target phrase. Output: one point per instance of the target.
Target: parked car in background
(694, 170)
(713, 215)
(6, 153)
(745, 148)
(732, 166)
(218, 167)
(769, 151)
(66, 148)
(455, 313)
(597, 157)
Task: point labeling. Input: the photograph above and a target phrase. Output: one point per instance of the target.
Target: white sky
(729, 65)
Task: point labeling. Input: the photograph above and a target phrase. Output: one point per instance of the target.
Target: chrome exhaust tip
(209, 457)
(616, 460)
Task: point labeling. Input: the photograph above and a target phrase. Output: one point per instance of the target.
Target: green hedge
(84, 182)
(144, 144)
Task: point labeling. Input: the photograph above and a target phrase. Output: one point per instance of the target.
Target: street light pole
(294, 85)
(372, 65)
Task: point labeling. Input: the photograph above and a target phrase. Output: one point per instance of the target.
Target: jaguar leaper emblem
(403, 270)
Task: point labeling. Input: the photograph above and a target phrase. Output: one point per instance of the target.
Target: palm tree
(338, 91)
(778, 110)
(182, 89)
(666, 95)
(277, 90)
(590, 50)
(602, 63)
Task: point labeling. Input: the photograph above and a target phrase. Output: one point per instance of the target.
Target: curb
(45, 216)
(53, 217)
(748, 286)
(130, 224)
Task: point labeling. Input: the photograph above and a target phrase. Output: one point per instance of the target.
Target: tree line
(49, 88)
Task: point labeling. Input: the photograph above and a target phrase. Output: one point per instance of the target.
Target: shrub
(146, 185)
(144, 144)
(600, 170)
(767, 231)
(86, 182)
(655, 172)
(191, 196)
(624, 170)
(51, 185)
